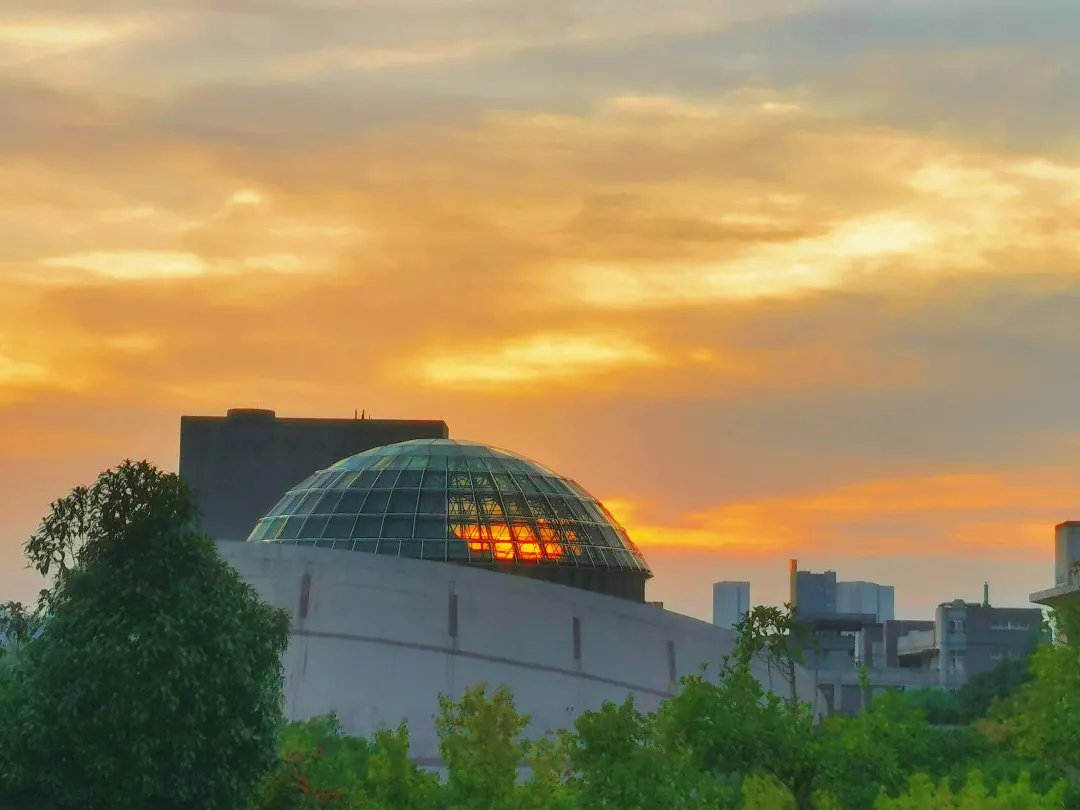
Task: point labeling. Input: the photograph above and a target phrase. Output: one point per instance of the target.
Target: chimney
(793, 570)
(986, 594)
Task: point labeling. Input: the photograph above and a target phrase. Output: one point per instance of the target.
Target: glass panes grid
(453, 501)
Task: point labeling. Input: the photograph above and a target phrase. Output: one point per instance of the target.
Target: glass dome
(460, 502)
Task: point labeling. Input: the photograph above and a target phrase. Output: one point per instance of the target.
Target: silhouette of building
(238, 465)
(731, 601)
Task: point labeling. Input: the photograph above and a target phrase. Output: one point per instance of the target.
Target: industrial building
(853, 633)
(393, 565)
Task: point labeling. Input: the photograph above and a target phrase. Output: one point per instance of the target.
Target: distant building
(968, 639)
(731, 602)
(866, 598)
(813, 594)
(1066, 590)
(238, 465)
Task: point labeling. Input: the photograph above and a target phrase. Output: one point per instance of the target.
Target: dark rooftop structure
(463, 503)
(238, 465)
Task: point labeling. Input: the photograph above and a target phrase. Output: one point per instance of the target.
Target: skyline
(789, 279)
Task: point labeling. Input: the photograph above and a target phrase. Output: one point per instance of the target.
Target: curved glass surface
(441, 499)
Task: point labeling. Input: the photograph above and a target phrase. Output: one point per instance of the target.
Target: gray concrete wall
(374, 640)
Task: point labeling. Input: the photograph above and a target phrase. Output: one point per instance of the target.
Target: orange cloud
(936, 515)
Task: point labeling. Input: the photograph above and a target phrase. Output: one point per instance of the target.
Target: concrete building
(731, 601)
(238, 465)
(376, 639)
(812, 594)
(866, 598)
(393, 566)
(969, 638)
(1066, 589)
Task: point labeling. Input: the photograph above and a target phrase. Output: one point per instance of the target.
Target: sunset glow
(765, 291)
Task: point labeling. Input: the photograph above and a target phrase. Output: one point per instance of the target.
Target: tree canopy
(157, 679)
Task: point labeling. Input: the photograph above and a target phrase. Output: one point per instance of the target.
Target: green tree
(923, 793)
(618, 762)
(480, 745)
(320, 767)
(1042, 721)
(732, 726)
(776, 637)
(157, 680)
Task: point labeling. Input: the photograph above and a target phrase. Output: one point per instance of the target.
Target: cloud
(539, 358)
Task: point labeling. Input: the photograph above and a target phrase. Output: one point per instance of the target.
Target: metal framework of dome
(466, 503)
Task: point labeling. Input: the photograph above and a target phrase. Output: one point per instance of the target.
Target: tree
(480, 745)
(157, 681)
(924, 794)
(1042, 721)
(320, 767)
(775, 636)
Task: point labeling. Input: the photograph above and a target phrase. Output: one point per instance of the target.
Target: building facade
(239, 465)
(377, 638)
(731, 602)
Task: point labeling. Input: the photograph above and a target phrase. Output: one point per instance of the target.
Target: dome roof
(453, 501)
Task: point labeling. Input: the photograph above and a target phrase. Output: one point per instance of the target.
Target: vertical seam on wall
(452, 616)
(671, 661)
(577, 638)
(305, 595)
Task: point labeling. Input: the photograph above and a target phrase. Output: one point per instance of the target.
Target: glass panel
(398, 462)
(313, 527)
(411, 548)
(483, 481)
(457, 550)
(365, 546)
(515, 505)
(348, 479)
(403, 500)
(367, 526)
(327, 502)
(409, 478)
(333, 479)
(376, 502)
(489, 505)
(436, 464)
(340, 526)
(388, 547)
(320, 479)
(417, 462)
(325, 542)
(459, 481)
(366, 479)
(431, 527)
(260, 530)
(398, 526)
(431, 503)
(461, 504)
(351, 501)
(434, 480)
(292, 528)
(476, 464)
(386, 479)
(527, 484)
(611, 539)
(274, 530)
(308, 503)
(434, 550)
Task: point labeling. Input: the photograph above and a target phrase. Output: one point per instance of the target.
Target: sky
(771, 279)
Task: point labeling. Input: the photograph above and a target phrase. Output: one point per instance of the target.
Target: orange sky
(772, 279)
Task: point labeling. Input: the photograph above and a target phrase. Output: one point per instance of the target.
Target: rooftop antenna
(986, 594)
